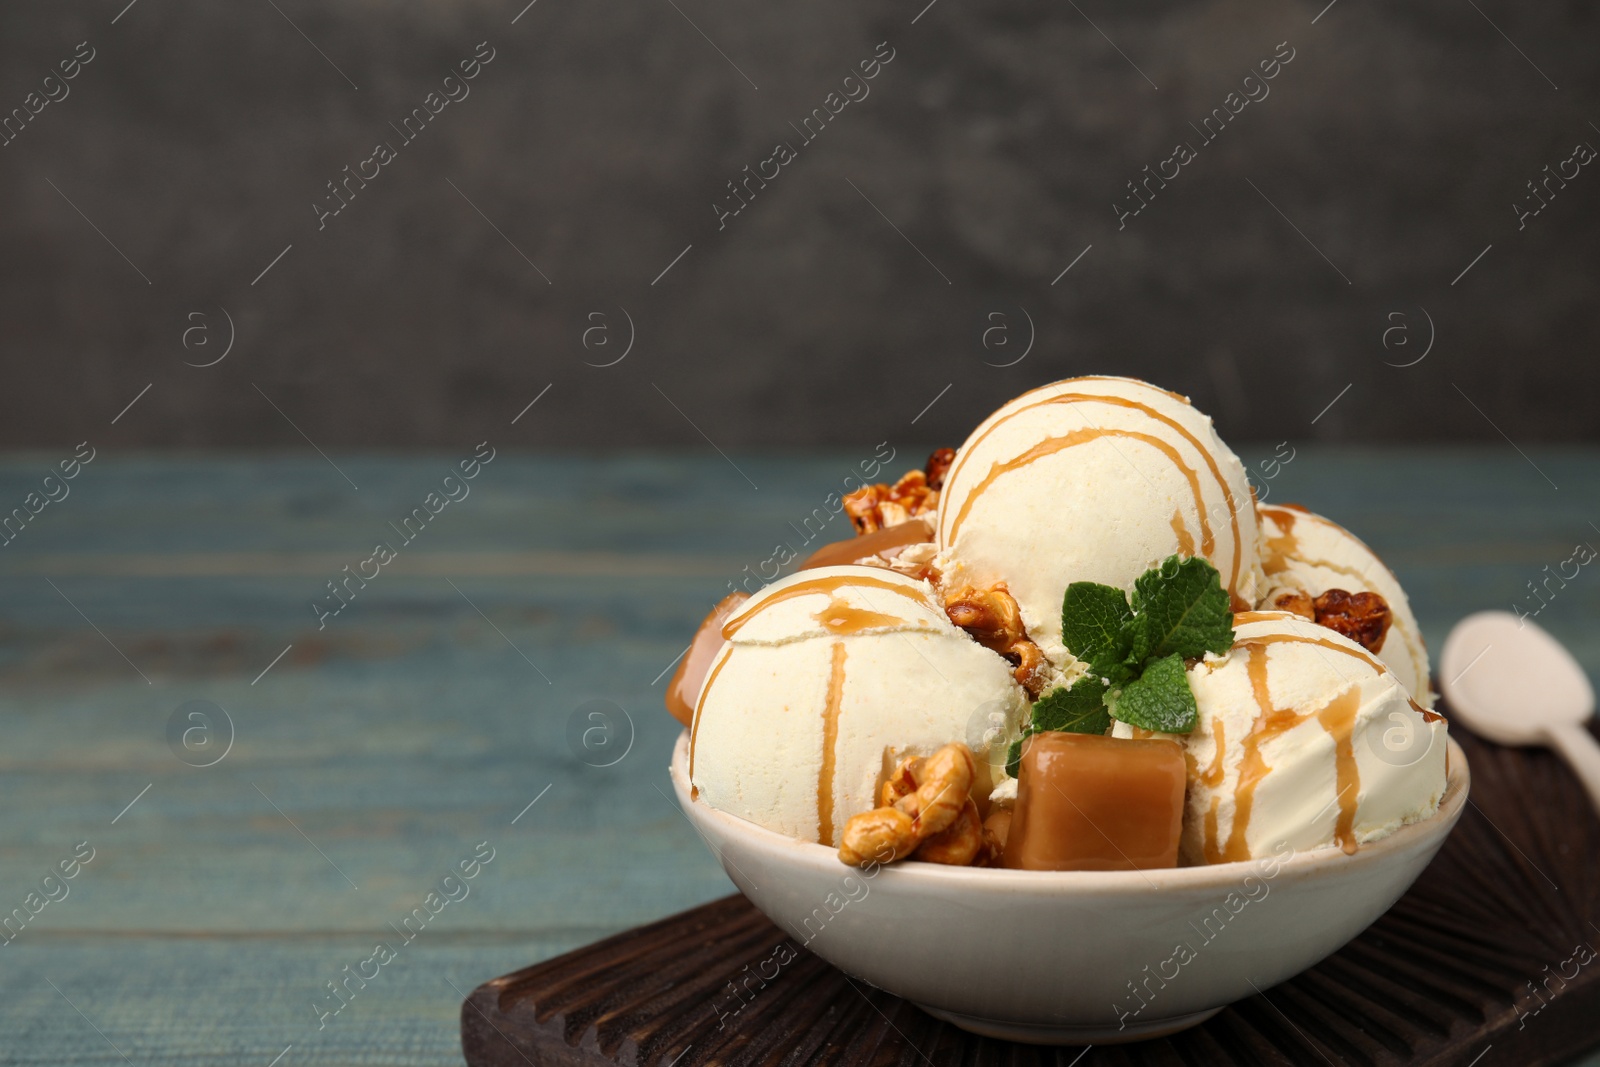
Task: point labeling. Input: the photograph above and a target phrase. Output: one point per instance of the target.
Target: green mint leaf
(1180, 608)
(1079, 709)
(1160, 699)
(1122, 673)
(1094, 625)
(1076, 710)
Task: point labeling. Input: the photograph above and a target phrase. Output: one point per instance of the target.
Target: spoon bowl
(1512, 683)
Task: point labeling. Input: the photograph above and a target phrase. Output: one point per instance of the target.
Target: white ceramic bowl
(1072, 957)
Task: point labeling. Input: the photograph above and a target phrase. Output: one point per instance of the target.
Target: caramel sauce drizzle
(1354, 653)
(1213, 855)
(830, 584)
(842, 617)
(830, 744)
(1179, 397)
(1242, 617)
(1052, 445)
(1185, 539)
(1211, 463)
(690, 676)
(1338, 717)
(1287, 543)
(1276, 550)
(1270, 723)
(1212, 775)
(694, 730)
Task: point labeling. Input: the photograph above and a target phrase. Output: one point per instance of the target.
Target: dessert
(1074, 644)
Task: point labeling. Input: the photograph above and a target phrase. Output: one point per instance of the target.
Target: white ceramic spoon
(1511, 682)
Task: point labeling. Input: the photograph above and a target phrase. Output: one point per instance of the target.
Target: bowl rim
(1330, 858)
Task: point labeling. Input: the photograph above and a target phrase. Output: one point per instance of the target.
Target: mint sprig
(1135, 652)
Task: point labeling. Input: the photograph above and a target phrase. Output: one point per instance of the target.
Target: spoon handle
(1577, 746)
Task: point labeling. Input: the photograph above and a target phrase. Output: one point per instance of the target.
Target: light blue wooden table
(380, 750)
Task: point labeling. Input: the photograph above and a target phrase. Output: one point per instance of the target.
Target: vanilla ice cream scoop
(827, 675)
(1300, 550)
(1305, 739)
(1093, 479)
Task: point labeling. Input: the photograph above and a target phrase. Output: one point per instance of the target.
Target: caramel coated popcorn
(993, 619)
(930, 806)
(1362, 617)
(875, 507)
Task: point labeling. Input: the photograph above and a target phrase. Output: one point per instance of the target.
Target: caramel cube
(1092, 803)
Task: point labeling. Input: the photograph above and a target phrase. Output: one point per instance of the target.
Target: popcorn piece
(1362, 617)
(958, 844)
(877, 507)
(992, 618)
(941, 797)
(1296, 601)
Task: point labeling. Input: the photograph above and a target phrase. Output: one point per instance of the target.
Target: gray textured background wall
(918, 242)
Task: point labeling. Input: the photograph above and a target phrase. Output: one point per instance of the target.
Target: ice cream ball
(1093, 479)
(1304, 551)
(829, 677)
(1305, 739)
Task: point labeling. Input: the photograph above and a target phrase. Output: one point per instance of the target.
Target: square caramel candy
(1092, 803)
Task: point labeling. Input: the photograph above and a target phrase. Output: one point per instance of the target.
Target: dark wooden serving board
(1448, 976)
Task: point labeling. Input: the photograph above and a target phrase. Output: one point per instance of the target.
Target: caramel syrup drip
(1051, 445)
(842, 617)
(830, 745)
(1212, 775)
(1276, 551)
(1284, 547)
(1270, 723)
(1240, 618)
(1185, 539)
(1211, 463)
(694, 729)
(829, 585)
(1339, 719)
(1179, 397)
